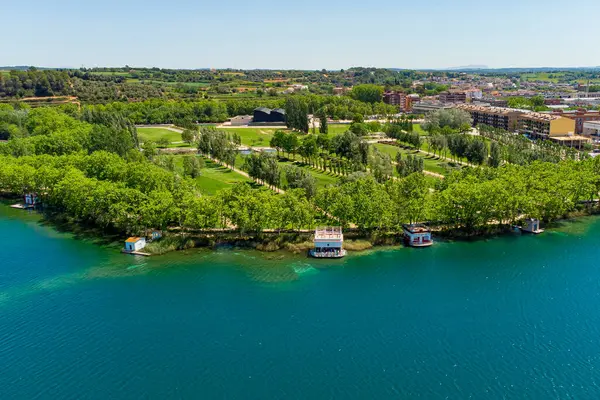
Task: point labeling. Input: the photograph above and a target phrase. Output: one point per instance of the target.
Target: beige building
(552, 127)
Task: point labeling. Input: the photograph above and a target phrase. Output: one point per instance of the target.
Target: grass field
(213, 177)
(259, 137)
(322, 178)
(430, 163)
(337, 129)
(156, 134)
(417, 128)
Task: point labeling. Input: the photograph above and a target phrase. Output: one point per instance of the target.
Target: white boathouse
(417, 235)
(328, 242)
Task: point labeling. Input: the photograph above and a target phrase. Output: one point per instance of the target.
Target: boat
(417, 235)
(328, 243)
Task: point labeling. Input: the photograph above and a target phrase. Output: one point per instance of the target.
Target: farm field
(155, 134)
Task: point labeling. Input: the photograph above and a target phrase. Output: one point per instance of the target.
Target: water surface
(513, 317)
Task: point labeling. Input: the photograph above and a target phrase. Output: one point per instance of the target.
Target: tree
(149, 149)
(495, 155)
(188, 135)
(367, 93)
(453, 118)
(191, 166)
(323, 127)
(296, 111)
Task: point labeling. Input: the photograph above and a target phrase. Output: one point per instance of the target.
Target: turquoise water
(513, 317)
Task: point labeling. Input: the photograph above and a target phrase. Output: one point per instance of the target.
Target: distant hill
(466, 68)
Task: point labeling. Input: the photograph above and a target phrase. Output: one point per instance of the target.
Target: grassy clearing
(417, 128)
(155, 134)
(213, 177)
(322, 178)
(257, 137)
(337, 129)
(430, 163)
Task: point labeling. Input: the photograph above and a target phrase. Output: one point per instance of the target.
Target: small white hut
(328, 243)
(134, 244)
(532, 225)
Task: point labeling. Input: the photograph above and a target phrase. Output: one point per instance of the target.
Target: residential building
(580, 117)
(474, 94)
(453, 96)
(498, 117)
(551, 126)
(591, 128)
(395, 98)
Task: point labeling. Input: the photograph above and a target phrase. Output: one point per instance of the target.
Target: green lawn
(417, 128)
(322, 178)
(257, 137)
(213, 177)
(155, 134)
(337, 129)
(430, 163)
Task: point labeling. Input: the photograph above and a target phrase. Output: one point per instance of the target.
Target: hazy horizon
(270, 35)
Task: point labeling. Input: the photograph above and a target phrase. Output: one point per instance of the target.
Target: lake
(506, 318)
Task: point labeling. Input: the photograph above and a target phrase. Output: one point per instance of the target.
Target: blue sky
(307, 34)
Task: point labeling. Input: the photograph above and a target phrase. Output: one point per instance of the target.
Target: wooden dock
(136, 253)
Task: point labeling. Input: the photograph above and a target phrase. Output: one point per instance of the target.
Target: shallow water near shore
(516, 316)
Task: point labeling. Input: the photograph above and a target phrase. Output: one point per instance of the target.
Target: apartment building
(544, 125)
(453, 96)
(580, 117)
(498, 117)
(395, 98)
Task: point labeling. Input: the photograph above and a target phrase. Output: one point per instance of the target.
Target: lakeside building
(328, 243)
(532, 225)
(497, 117)
(453, 96)
(266, 115)
(135, 244)
(417, 235)
(580, 117)
(400, 99)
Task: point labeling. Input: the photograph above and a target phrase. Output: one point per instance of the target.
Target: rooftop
(133, 239)
(488, 109)
(536, 116)
(329, 232)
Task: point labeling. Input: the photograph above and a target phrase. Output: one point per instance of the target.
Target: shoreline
(292, 243)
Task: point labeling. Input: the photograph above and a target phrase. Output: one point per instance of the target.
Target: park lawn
(418, 129)
(322, 178)
(254, 137)
(430, 163)
(213, 177)
(337, 129)
(155, 134)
